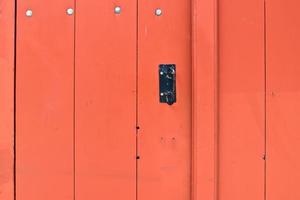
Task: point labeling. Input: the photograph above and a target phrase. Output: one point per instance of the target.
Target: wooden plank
(204, 107)
(44, 101)
(7, 21)
(241, 134)
(164, 138)
(105, 134)
(283, 99)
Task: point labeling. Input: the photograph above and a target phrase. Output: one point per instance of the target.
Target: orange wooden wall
(245, 101)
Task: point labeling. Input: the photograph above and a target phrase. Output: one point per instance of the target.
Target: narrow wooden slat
(7, 19)
(204, 108)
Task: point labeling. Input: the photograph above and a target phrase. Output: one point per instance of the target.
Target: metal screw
(158, 12)
(28, 13)
(161, 73)
(161, 94)
(117, 9)
(70, 11)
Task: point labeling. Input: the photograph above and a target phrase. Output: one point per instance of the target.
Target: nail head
(70, 11)
(28, 13)
(158, 12)
(117, 9)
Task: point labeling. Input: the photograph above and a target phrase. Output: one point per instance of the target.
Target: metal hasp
(167, 83)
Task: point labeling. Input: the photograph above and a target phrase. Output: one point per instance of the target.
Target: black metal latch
(167, 83)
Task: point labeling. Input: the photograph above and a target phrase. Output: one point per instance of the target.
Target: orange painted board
(241, 99)
(105, 96)
(44, 101)
(164, 137)
(283, 99)
(205, 102)
(7, 23)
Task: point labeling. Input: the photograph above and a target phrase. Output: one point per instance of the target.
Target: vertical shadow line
(74, 103)
(137, 97)
(15, 103)
(265, 100)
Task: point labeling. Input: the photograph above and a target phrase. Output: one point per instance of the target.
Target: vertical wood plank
(105, 96)
(164, 138)
(44, 100)
(7, 23)
(283, 99)
(241, 143)
(204, 107)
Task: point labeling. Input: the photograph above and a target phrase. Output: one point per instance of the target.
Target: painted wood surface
(7, 37)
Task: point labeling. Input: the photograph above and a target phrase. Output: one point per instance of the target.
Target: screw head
(29, 13)
(70, 11)
(161, 94)
(158, 12)
(161, 73)
(118, 9)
